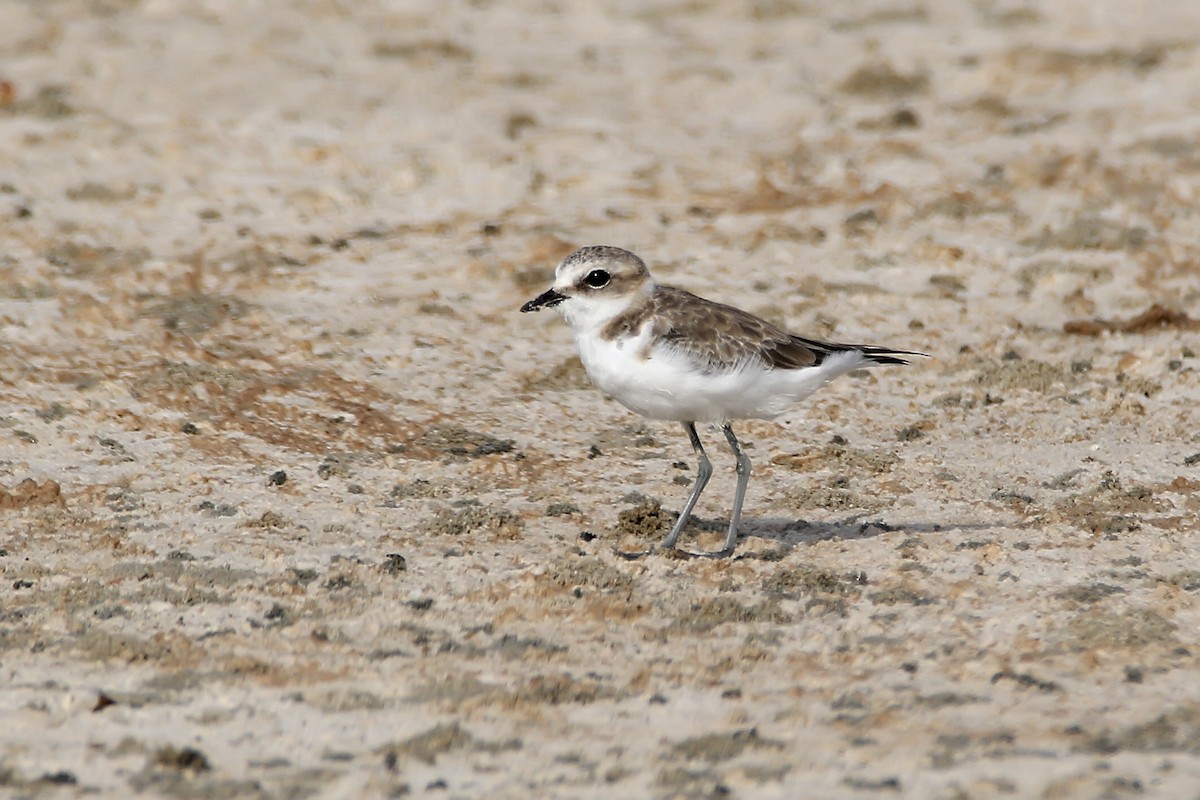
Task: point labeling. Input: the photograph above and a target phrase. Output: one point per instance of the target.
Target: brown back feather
(723, 337)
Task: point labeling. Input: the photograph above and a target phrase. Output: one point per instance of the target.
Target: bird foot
(634, 555)
(674, 553)
(687, 555)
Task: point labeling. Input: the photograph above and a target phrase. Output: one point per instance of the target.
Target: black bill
(547, 299)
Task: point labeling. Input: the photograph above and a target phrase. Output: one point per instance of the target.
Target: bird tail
(882, 355)
(872, 354)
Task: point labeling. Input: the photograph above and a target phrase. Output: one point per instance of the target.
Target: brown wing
(722, 337)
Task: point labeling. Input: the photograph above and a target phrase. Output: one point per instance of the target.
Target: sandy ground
(311, 511)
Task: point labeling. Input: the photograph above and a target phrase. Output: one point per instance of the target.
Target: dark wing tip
(884, 355)
(872, 353)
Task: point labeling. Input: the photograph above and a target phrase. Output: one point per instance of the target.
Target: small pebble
(394, 564)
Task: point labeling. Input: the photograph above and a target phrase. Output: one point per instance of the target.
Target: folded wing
(722, 338)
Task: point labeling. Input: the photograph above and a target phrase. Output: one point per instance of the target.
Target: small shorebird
(666, 353)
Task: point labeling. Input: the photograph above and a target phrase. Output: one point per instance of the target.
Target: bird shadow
(791, 533)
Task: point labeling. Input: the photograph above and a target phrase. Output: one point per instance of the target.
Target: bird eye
(597, 279)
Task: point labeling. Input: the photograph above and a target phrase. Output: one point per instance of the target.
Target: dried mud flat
(296, 505)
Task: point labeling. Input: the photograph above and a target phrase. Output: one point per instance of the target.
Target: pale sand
(248, 237)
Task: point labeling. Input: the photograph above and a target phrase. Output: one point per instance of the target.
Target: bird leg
(702, 475)
(743, 480)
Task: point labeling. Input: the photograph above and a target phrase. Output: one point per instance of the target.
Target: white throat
(587, 315)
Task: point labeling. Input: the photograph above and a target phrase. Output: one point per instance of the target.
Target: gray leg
(743, 479)
(702, 476)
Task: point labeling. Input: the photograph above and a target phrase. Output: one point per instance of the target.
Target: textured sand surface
(297, 505)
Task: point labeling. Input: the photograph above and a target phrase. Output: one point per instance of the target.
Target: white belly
(663, 383)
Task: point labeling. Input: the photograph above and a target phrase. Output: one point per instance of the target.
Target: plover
(668, 354)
